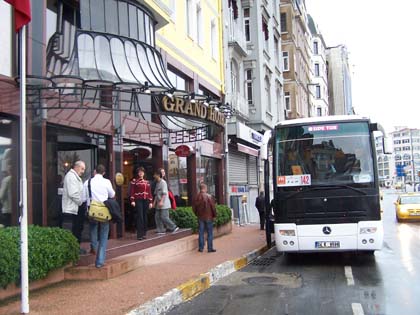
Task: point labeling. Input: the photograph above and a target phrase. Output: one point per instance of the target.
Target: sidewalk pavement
(174, 280)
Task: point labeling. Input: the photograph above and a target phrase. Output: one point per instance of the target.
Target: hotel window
(265, 29)
(317, 69)
(249, 95)
(287, 100)
(283, 22)
(189, 17)
(316, 48)
(285, 55)
(199, 16)
(177, 81)
(234, 76)
(267, 93)
(246, 24)
(318, 91)
(213, 39)
(276, 52)
(319, 112)
(233, 4)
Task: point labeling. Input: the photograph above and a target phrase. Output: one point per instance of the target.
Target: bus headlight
(287, 232)
(368, 230)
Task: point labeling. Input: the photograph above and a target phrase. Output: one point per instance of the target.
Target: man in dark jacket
(260, 205)
(205, 209)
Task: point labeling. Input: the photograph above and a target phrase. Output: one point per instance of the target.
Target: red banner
(22, 12)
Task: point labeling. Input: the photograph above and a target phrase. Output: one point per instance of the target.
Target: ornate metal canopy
(108, 63)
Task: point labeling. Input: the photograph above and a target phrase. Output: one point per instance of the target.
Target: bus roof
(322, 119)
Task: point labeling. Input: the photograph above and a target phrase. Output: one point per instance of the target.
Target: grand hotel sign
(196, 110)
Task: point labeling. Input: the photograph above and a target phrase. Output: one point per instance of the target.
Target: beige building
(295, 37)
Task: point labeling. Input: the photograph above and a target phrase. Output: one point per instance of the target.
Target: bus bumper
(362, 236)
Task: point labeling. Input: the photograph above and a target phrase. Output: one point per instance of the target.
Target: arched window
(380, 159)
(406, 157)
(398, 157)
(385, 158)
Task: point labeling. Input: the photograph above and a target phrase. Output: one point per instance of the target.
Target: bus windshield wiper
(325, 187)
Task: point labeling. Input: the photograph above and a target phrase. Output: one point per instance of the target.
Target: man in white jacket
(72, 198)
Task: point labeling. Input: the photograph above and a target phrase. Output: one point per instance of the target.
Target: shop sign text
(197, 109)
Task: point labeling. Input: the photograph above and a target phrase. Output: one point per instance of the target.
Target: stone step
(120, 247)
(117, 266)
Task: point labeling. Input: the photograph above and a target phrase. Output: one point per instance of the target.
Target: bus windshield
(327, 154)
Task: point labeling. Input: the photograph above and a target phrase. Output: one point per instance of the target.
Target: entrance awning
(108, 63)
(106, 58)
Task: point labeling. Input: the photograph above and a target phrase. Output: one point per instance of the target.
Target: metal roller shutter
(252, 170)
(237, 167)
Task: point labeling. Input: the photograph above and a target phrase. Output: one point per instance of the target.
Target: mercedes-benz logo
(326, 230)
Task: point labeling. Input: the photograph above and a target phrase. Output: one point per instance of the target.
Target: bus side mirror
(264, 145)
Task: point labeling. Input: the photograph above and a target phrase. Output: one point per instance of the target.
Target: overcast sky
(382, 37)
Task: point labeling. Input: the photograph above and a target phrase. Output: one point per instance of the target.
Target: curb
(190, 289)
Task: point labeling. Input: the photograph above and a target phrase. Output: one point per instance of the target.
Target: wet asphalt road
(387, 282)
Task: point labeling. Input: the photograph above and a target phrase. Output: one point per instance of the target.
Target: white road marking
(357, 309)
(349, 275)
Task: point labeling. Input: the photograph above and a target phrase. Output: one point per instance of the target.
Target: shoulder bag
(97, 210)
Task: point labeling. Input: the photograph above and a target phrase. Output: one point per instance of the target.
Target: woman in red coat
(141, 198)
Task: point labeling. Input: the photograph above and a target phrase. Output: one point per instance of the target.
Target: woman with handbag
(141, 199)
(100, 189)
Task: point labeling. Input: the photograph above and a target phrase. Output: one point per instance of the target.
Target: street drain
(263, 280)
(264, 261)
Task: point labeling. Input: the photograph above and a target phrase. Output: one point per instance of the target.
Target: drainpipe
(226, 156)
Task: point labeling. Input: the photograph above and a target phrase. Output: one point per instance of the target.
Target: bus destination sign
(323, 128)
(294, 180)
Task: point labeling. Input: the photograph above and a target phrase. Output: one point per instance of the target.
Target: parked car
(407, 207)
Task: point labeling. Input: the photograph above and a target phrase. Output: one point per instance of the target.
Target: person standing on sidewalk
(99, 189)
(72, 203)
(260, 205)
(162, 205)
(141, 199)
(205, 210)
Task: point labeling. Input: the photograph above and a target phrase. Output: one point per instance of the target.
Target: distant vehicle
(407, 207)
(326, 187)
(399, 185)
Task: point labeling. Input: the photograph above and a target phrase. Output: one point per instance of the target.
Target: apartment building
(319, 80)
(339, 81)
(386, 164)
(254, 87)
(296, 58)
(406, 152)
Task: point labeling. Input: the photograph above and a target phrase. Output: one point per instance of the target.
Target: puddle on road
(285, 280)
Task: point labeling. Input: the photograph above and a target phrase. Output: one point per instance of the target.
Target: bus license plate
(327, 244)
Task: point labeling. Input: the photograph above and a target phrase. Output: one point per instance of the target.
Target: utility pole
(413, 167)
